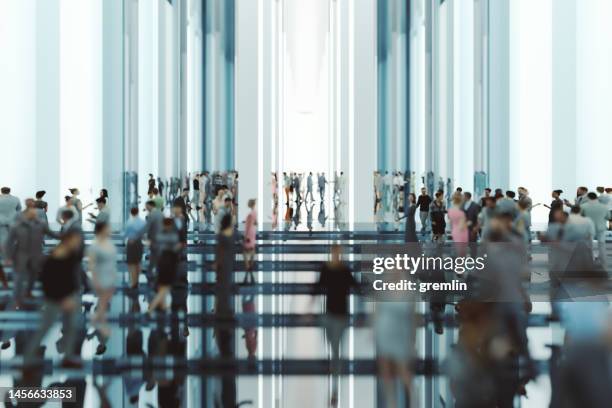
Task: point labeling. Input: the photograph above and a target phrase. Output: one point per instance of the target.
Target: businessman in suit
(471, 210)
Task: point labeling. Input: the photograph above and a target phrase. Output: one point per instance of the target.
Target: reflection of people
(250, 235)
(225, 258)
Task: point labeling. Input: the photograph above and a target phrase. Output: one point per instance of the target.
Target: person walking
(168, 246)
(250, 236)
(410, 208)
(423, 203)
(335, 282)
(437, 209)
(10, 207)
(152, 229)
(555, 204)
(102, 256)
(61, 291)
(309, 187)
(459, 225)
(132, 235)
(599, 214)
(77, 203)
(321, 182)
(24, 250)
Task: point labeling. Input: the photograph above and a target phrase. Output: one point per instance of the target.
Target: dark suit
(183, 202)
(471, 215)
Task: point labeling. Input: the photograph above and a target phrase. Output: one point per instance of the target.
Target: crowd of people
(74, 267)
(587, 217)
(492, 335)
(299, 191)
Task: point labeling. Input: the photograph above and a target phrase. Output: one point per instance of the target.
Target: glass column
(219, 40)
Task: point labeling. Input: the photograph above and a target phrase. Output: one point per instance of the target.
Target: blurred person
(67, 206)
(60, 289)
(522, 222)
(309, 185)
(394, 332)
(78, 204)
(225, 258)
(151, 183)
(499, 194)
(581, 197)
(486, 214)
(168, 246)
(508, 204)
(579, 228)
(459, 226)
(437, 211)
(297, 187)
(585, 371)
(555, 204)
(185, 204)
(603, 197)
(103, 216)
(156, 197)
(24, 250)
(274, 184)
(134, 229)
(41, 205)
(321, 216)
(102, 256)
(423, 203)
(70, 225)
(180, 224)
(197, 178)
(250, 235)
(10, 207)
(152, 229)
(287, 187)
(471, 210)
(335, 282)
(487, 194)
(599, 214)
(226, 209)
(523, 195)
(321, 182)
(410, 208)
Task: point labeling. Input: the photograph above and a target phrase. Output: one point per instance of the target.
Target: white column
(47, 144)
(498, 132)
(594, 90)
(81, 110)
(531, 100)
(365, 125)
(112, 154)
(463, 94)
(148, 93)
(247, 98)
(18, 84)
(564, 94)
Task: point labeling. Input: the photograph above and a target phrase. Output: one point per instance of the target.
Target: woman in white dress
(102, 256)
